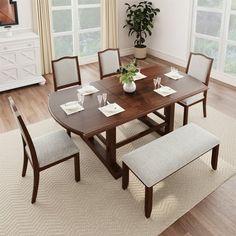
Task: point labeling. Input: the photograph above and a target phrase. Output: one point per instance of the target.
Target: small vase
(129, 87)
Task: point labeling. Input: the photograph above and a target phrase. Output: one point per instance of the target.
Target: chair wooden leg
(36, 185)
(204, 107)
(25, 163)
(77, 167)
(185, 122)
(148, 201)
(214, 157)
(125, 176)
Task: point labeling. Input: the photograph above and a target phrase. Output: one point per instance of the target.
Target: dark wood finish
(72, 58)
(148, 201)
(91, 122)
(207, 79)
(214, 157)
(125, 176)
(33, 159)
(102, 75)
(204, 218)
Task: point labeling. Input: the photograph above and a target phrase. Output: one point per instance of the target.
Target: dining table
(91, 124)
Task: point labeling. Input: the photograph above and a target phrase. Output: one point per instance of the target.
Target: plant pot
(129, 87)
(140, 53)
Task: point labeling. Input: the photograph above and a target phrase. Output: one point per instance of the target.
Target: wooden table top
(140, 103)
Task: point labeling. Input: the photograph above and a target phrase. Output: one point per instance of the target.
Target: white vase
(129, 87)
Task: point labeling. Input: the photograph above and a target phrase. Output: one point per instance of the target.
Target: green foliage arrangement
(128, 72)
(140, 20)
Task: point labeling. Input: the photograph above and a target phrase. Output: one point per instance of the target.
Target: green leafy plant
(140, 19)
(128, 72)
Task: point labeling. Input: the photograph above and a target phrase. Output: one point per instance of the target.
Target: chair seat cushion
(193, 99)
(160, 158)
(53, 147)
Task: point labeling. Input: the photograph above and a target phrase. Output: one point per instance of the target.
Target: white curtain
(109, 24)
(41, 26)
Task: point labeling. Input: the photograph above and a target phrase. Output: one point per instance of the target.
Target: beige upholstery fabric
(198, 68)
(158, 159)
(66, 71)
(193, 99)
(53, 147)
(109, 61)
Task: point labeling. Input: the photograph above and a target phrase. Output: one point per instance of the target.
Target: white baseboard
(94, 58)
(167, 57)
(129, 51)
(214, 75)
(126, 51)
(87, 60)
(227, 79)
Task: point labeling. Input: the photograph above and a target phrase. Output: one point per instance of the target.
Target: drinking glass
(100, 100)
(155, 83)
(80, 98)
(158, 81)
(174, 70)
(104, 97)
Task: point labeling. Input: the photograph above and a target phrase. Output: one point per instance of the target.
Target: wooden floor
(215, 215)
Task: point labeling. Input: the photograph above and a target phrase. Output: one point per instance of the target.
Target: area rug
(97, 205)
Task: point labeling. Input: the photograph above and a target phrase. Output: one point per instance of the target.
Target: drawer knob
(29, 45)
(5, 48)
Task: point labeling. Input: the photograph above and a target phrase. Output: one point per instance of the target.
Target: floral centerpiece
(127, 74)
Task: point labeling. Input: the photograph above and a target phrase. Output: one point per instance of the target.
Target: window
(76, 27)
(214, 33)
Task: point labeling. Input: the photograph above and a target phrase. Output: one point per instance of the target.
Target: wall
(24, 16)
(170, 39)
(125, 42)
(171, 35)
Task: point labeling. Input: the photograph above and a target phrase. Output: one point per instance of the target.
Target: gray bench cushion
(156, 160)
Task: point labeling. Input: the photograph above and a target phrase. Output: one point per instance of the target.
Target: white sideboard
(20, 62)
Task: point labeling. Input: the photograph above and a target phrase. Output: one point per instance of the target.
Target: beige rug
(97, 205)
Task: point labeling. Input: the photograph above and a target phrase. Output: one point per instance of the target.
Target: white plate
(165, 91)
(87, 90)
(174, 76)
(139, 76)
(71, 107)
(111, 109)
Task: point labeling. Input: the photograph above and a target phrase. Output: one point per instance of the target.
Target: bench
(164, 156)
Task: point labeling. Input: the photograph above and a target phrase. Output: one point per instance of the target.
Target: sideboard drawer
(16, 46)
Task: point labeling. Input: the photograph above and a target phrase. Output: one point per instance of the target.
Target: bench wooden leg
(214, 157)
(125, 176)
(148, 201)
(77, 167)
(185, 121)
(68, 132)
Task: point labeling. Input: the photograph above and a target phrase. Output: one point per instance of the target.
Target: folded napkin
(71, 107)
(87, 90)
(139, 76)
(165, 91)
(174, 75)
(111, 109)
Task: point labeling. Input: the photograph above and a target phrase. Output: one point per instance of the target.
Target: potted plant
(140, 20)
(127, 74)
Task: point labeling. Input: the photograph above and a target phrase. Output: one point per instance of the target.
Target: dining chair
(45, 151)
(109, 62)
(199, 66)
(66, 72)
